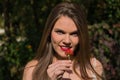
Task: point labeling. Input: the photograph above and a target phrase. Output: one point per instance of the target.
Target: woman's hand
(57, 69)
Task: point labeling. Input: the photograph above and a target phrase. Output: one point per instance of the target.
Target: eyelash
(59, 32)
(73, 34)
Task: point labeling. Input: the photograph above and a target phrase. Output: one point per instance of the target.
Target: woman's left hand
(55, 70)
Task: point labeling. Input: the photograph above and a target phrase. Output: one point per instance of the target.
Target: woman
(65, 29)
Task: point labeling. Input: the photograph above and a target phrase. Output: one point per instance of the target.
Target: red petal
(69, 52)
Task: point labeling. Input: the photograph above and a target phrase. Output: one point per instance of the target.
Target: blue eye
(59, 32)
(75, 34)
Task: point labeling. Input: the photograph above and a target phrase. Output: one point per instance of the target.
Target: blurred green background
(22, 23)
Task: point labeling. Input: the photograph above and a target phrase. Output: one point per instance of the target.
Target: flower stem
(68, 57)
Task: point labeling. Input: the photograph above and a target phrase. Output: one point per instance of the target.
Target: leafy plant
(105, 44)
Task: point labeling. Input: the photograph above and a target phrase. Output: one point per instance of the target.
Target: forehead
(66, 23)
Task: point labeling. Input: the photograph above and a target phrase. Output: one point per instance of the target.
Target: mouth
(64, 48)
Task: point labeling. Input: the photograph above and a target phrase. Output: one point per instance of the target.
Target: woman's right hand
(57, 69)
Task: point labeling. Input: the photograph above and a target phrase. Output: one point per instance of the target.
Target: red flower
(69, 52)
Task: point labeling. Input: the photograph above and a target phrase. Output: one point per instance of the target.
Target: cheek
(75, 41)
(55, 39)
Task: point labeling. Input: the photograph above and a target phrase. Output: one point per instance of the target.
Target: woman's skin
(63, 36)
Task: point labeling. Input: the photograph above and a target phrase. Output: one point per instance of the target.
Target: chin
(61, 55)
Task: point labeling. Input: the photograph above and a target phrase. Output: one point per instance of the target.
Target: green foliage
(26, 19)
(104, 10)
(105, 44)
(14, 58)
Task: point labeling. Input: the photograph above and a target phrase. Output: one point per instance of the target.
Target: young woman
(65, 29)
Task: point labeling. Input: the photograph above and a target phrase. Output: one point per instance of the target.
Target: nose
(67, 40)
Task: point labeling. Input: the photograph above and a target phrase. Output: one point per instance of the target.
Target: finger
(61, 62)
(59, 68)
(55, 72)
(58, 73)
(56, 69)
(63, 66)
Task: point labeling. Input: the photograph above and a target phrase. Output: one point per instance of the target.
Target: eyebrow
(76, 31)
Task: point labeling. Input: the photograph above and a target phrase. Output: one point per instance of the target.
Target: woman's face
(64, 36)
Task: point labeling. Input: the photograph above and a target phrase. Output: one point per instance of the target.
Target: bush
(105, 44)
(15, 55)
(25, 18)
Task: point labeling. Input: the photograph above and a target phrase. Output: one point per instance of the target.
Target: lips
(65, 48)
(67, 51)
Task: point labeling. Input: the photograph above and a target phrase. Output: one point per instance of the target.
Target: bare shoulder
(97, 65)
(31, 64)
(28, 70)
